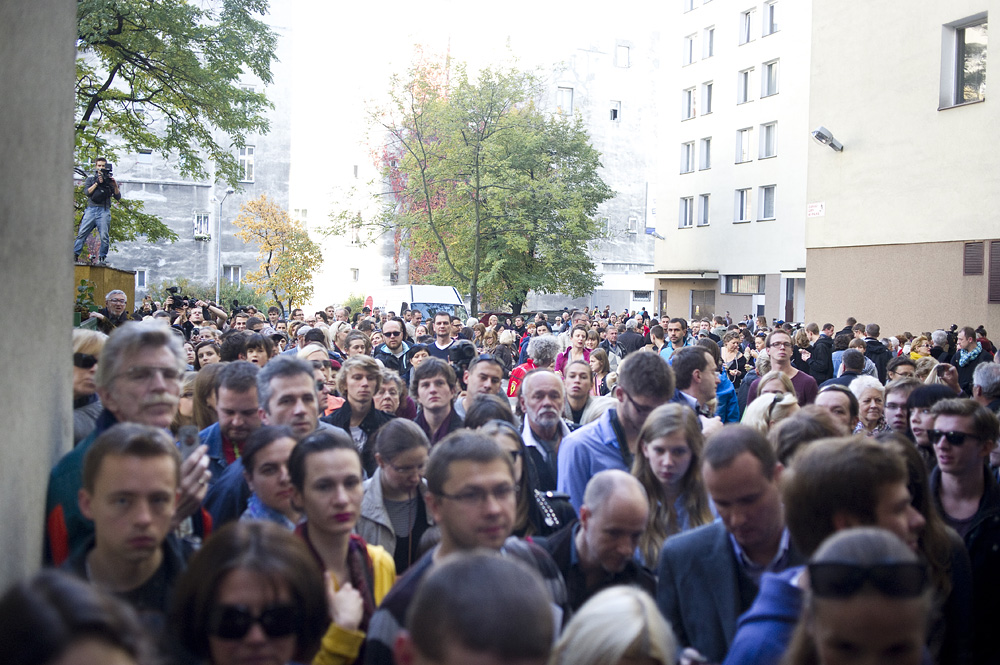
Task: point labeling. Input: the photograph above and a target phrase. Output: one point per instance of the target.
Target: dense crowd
(591, 487)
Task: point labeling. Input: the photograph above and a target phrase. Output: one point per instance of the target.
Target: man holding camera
(99, 188)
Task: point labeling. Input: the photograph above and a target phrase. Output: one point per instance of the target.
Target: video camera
(460, 355)
(107, 172)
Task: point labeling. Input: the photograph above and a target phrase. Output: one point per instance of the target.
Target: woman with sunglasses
(87, 345)
(393, 513)
(669, 467)
(254, 594)
(869, 601)
(325, 468)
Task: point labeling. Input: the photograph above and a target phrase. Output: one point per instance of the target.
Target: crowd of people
(592, 487)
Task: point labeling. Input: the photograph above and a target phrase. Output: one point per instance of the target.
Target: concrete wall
(36, 131)
(916, 287)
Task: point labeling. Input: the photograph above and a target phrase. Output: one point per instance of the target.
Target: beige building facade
(902, 226)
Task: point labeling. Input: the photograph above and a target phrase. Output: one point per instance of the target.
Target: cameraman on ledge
(99, 189)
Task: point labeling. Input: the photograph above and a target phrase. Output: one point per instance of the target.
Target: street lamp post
(218, 247)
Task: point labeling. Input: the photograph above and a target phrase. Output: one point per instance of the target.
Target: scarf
(359, 567)
(966, 357)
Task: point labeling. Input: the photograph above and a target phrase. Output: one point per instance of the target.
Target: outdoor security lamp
(825, 136)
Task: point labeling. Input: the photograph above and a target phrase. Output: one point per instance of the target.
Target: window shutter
(973, 263)
(994, 280)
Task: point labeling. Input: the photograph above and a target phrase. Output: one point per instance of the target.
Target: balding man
(598, 550)
(541, 400)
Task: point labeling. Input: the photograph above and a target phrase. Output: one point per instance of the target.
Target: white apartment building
(734, 113)
(903, 227)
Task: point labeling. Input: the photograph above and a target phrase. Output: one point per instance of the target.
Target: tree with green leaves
(288, 257)
(500, 195)
(164, 76)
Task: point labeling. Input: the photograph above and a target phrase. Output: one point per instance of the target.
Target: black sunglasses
(954, 438)
(84, 360)
(842, 580)
(233, 622)
(391, 333)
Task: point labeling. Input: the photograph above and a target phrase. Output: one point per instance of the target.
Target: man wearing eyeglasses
(138, 381)
(114, 313)
(779, 349)
(645, 382)
(968, 499)
(472, 495)
(392, 353)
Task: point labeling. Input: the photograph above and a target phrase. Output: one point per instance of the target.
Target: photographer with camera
(188, 314)
(100, 188)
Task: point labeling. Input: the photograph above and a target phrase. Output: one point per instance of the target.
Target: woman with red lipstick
(325, 468)
(669, 466)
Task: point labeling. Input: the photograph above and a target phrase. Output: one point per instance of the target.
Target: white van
(427, 298)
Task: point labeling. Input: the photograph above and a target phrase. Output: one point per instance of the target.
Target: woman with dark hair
(393, 513)
(55, 618)
(206, 353)
(325, 468)
(205, 386)
(265, 469)
(602, 373)
(537, 513)
(668, 465)
(919, 405)
(577, 349)
(733, 360)
(253, 593)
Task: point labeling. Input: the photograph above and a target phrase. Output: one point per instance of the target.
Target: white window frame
(766, 193)
(688, 5)
(704, 209)
(616, 111)
(633, 225)
(707, 89)
(687, 157)
(744, 145)
(769, 78)
(744, 84)
(743, 206)
(564, 100)
(953, 62)
(770, 25)
(708, 42)
(688, 107)
(687, 57)
(768, 140)
(246, 157)
(233, 274)
(623, 56)
(705, 154)
(202, 225)
(141, 279)
(685, 218)
(746, 25)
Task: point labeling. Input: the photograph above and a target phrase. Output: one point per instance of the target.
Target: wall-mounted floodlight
(825, 136)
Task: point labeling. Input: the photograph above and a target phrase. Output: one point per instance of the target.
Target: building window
(749, 285)
(686, 220)
(768, 139)
(994, 278)
(742, 206)
(201, 229)
(743, 86)
(746, 25)
(622, 56)
(564, 101)
(688, 56)
(706, 98)
(708, 42)
(963, 61)
(705, 161)
(633, 224)
(769, 79)
(767, 202)
(687, 104)
(744, 139)
(973, 259)
(145, 157)
(642, 296)
(687, 157)
(703, 202)
(355, 274)
(605, 223)
(770, 17)
(246, 163)
(616, 111)
(234, 274)
(688, 5)
(140, 279)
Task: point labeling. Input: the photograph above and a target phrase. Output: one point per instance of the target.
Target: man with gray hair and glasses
(114, 313)
(138, 381)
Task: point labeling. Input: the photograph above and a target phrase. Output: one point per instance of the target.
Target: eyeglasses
(84, 360)
(643, 411)
(781, 345)
(407, 470)
(144, 374)
(953, 438)
(233, 622)
(477, 496)
(117, 301)
(842, 580)
(392, 333)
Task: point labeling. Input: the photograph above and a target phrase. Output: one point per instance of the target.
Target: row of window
(743, 209)
(767, 147)
(745, 86)
(746, 31)
(232, 274)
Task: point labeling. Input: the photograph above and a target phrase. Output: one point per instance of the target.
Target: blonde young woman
(669, 467)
